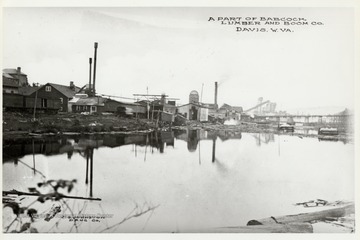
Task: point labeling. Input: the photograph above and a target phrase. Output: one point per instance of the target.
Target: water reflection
(84, 145)
(263, 138)
(187, 173)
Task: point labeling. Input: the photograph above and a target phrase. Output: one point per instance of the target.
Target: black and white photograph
(178, 120)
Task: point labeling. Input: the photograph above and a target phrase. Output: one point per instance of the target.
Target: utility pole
(202, 86)
(94, 77)
(36, 93)
(147, 103)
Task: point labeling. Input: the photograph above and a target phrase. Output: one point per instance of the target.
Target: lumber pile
(297, 223)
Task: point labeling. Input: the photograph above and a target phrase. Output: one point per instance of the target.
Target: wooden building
(192, 111)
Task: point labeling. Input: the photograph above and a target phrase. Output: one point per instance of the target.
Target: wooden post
(91, 171)
(36, 93)
(87, 167)
(152, 112)
(157, 121)
(33, 150)
(213, 149)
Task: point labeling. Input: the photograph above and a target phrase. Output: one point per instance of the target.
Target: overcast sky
(176, 50)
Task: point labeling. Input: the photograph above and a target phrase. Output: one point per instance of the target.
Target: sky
(177, 50)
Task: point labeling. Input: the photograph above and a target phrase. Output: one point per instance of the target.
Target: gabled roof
(226, 106)
(197, 105)
(66, 90)
(124, 103)
(26, 91)
(12, 71)
(6, 75)
(208, 105)
(10, 82)
(234, 108)
(90, 101)
(169, 105)
(237, 109)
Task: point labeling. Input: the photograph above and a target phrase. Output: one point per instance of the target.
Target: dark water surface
(198, 179)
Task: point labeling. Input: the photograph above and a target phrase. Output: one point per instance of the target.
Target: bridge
(298, 118)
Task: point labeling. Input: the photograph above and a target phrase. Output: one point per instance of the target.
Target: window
(61, 100)
(44, 103)
(48, 89)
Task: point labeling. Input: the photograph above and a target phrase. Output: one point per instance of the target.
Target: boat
(286, 127)
(328, 131)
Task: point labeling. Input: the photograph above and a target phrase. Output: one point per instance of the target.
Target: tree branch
(131, 216)
(19, 193)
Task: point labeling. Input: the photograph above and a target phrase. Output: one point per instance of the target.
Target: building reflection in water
(194, 138)
(13, 150)
(263, 138)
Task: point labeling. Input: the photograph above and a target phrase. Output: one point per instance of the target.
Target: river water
(192, 180)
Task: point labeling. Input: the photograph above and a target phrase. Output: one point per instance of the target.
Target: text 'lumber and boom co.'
(265, 24)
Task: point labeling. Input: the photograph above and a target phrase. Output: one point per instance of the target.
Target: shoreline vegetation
(22, 125)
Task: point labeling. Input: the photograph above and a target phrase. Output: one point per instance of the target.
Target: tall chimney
(89, 90)
(95, 47)
(18, 73)
(216, 93)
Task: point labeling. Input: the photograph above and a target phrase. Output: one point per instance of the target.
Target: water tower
(194, 97)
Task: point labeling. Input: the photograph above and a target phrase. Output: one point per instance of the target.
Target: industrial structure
(18, 95)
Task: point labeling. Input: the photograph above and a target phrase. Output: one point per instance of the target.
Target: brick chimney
(72, 85)
(162, 100)
(18, 73)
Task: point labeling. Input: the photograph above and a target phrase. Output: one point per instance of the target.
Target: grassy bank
(19, 125)
(23, 123)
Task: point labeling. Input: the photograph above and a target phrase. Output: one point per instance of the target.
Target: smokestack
(95, 53)
(216, 93)
(89, 90)
(18, 73)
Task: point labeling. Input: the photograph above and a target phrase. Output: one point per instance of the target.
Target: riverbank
(17, 125)
(22, 125)
(245, 167)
